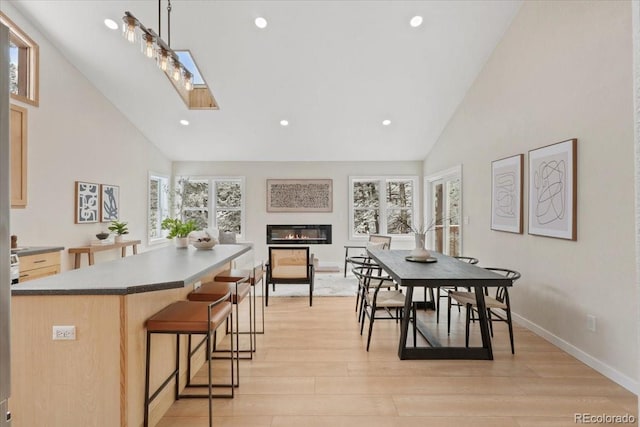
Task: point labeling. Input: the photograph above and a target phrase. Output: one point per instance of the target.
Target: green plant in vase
(119, 228)
(179, 230)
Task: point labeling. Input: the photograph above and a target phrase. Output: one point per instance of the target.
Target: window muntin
(23, 64)
(382, 205)
(158, 206)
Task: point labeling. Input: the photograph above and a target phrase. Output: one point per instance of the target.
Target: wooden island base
(98, 379)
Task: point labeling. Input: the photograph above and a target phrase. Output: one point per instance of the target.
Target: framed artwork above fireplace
(299, 195)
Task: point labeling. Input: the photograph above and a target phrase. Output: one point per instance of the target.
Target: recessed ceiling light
(261, 22)
(416, 21)
(284, 122)
(386, 122)
(184, 122)
(111, 24)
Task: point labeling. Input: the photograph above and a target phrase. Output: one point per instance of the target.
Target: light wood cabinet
(18, 126)
(39, 265)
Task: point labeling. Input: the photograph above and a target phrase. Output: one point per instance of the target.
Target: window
(443, 195)
(158, 205)
(193, 201)
(382, 205)
(23, 64)
(228, 205)
(222, 196)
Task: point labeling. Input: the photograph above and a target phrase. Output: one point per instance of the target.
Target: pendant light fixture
(153, 47)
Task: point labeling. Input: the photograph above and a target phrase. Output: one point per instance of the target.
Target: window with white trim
(382, 205)
(158, 206)
(212, 202)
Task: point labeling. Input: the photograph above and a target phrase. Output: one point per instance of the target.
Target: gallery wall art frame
(553, 185)
(109, 203)
(87, 202)
(299, 195)
(506, 194)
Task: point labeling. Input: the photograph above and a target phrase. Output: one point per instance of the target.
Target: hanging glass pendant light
(153, 47)
(176, 73)
(147, 42)
(187, 80)
(129, 25)
(163, 58)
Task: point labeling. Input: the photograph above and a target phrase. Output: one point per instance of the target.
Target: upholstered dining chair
(289, 265)
(498, 307)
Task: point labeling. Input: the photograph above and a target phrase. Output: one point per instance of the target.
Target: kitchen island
(98, 378)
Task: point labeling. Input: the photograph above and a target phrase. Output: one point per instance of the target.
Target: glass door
(444, 206)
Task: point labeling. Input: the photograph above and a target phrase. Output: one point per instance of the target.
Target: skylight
(188, 62)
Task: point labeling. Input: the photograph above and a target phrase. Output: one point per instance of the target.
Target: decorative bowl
(102, 236)
(204, 245)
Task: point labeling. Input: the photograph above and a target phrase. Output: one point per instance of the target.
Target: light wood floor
(311, 369)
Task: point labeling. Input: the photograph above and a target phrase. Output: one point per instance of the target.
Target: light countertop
(163, 268)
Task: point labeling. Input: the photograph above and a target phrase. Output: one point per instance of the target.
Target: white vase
(420, 252)
(117, 238)
(182, 242)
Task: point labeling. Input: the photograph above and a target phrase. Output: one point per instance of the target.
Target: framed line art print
(553, 190)
(87, 199)
(109, 203)
(506, 194)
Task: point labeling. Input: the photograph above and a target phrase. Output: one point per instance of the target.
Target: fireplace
(299, 234)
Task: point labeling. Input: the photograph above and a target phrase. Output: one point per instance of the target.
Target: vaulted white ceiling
(334, 69)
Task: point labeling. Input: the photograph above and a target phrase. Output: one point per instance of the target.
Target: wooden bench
(91, 249)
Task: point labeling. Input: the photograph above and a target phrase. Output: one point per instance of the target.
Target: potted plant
(178, 229)
(120, 229)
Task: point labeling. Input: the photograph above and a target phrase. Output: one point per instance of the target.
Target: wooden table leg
(135, 249)
(124, 251)
(76, 264)
(91, 260)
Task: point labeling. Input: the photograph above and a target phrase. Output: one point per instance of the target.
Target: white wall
(77, 135)
(563, 70)
(257, 218)
(635, 12)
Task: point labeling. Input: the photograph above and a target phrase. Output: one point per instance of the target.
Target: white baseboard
(613, 374)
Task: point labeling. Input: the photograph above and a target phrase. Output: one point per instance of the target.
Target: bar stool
(190, 318)
(255, 276)
(235, 292)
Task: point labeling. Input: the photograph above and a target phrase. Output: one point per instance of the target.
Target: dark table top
(447, 271)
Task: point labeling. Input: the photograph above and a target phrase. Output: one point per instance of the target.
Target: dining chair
(289, 265)
(446, 289)
(375, 241)
(380, 294)
(371, 268)
(496, 306)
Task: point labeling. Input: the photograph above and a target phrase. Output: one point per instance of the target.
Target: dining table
(438, 271)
